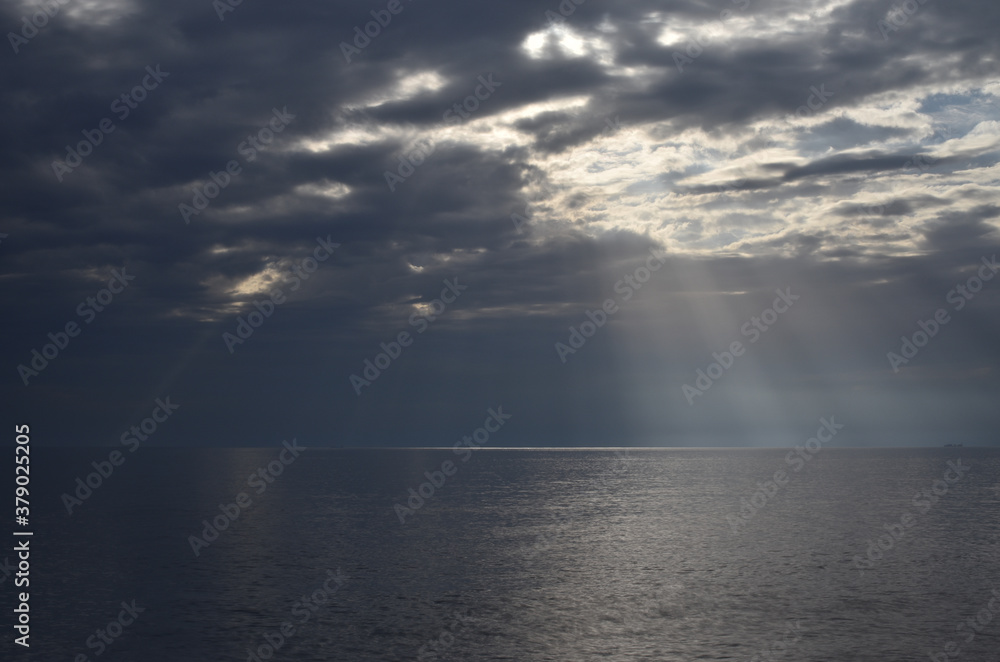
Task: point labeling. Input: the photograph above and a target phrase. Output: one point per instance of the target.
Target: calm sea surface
(517, 555)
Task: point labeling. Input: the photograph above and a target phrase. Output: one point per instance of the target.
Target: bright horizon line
(544, 448)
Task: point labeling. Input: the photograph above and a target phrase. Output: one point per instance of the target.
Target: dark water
(519, 555)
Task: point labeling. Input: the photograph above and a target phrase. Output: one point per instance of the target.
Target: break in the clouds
(363, 224)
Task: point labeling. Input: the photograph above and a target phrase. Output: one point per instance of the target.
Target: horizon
(548, 448)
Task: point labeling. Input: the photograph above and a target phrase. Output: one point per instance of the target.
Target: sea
(322, 555)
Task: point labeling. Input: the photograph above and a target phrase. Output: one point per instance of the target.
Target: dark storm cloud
(451, 218)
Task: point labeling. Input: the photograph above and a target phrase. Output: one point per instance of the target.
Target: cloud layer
(537, 152)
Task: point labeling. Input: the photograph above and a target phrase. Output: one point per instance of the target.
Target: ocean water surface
(521, 555)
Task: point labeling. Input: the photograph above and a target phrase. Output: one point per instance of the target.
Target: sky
(624, 223)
